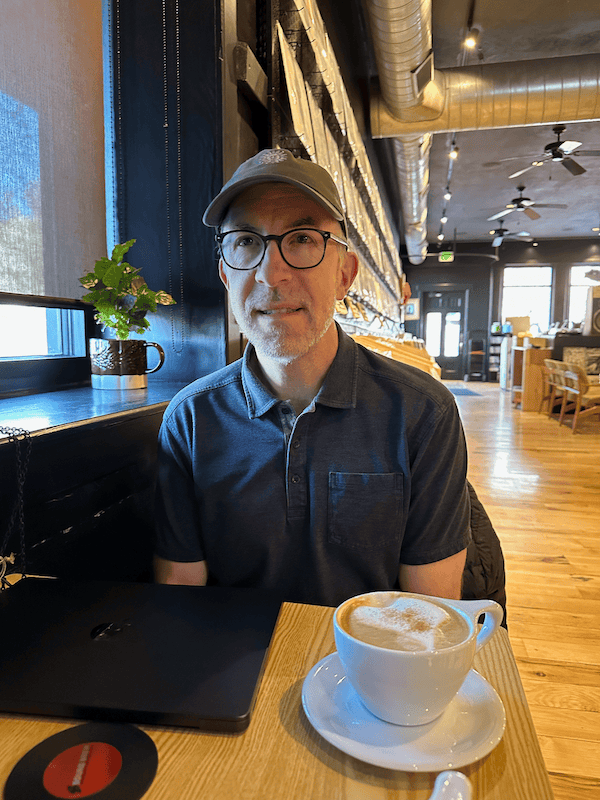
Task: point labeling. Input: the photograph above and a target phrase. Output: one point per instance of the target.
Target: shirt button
(296, 444)
(295, 478)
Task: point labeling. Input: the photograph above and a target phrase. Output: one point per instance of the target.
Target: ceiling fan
(524, 204)
(500, 234)
(557, 151)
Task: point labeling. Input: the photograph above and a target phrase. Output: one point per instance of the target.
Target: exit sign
(447, 255)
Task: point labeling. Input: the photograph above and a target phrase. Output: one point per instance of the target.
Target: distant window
(452, 334)
(526, 292)
(433, 333)
(578, 292)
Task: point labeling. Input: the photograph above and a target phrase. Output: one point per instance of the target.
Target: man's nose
(273, 269)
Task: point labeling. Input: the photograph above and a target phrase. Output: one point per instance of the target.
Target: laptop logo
(107, 630)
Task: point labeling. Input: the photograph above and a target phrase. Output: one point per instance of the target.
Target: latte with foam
(403, 623)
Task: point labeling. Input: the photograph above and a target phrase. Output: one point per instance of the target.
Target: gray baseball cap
(277, 166)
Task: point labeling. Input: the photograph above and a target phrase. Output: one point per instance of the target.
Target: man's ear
(223, 274)
(348, 272)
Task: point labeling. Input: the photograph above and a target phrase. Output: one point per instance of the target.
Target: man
(312, 466)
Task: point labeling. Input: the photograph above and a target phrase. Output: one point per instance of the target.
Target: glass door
(443, 316)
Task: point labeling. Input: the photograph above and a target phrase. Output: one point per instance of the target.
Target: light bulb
(444, 219)
(448, 194)
(470, 42)
(453, 153)
(441, 237)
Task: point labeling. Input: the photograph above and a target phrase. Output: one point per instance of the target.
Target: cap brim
(216, 211)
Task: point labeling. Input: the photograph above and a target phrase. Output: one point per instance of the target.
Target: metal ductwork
(506, 95)
(401, 31)
(417, 101)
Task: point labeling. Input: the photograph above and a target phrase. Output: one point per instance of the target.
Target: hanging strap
(22, 442)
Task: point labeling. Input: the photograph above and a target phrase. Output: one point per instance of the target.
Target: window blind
(52, 201)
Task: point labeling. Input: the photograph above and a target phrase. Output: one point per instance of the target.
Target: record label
(102, 761)
(82, 770)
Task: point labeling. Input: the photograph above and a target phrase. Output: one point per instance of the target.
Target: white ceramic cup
(413, 687)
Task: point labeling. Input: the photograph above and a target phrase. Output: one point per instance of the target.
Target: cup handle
(475, 608)
(161, 356)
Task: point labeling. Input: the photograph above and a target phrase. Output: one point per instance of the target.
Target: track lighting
(440, 237)
(447, 193)
(471, 39)
(453, 153)
(444, 218)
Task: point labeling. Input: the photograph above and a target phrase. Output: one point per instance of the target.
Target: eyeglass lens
(301, 248)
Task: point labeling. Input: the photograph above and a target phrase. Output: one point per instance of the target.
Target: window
(52, 188)
(34, 332)
(578, 292)
(433, 333)
(452, 334)
(526, 292)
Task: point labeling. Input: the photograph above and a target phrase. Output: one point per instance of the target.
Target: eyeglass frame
(272, 237)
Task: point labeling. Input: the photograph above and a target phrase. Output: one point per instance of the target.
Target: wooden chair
(578, 394)
(552, 377)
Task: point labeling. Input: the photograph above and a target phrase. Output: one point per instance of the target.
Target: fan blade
(588, 153)
(568, 147)
(497, 241)
(510, 158)
(501, 214)
(522, 233)
(521, 172)
(531, 213)
(551, 205)
(573, 167)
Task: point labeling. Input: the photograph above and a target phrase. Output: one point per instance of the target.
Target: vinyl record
(103, 761)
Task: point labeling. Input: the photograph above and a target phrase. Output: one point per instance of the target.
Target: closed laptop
(134, 652)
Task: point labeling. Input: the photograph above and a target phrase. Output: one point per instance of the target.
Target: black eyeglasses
(300, 248)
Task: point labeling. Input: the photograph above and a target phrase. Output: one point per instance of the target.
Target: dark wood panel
(88, 497)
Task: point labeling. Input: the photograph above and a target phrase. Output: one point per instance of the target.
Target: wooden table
(281, 756)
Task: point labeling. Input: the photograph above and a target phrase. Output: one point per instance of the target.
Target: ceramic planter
(120, 364)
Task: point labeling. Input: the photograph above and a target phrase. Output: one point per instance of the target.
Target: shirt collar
(258, 398)
(338, 389)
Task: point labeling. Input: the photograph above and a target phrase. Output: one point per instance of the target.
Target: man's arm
(189, 573)
(439, 579)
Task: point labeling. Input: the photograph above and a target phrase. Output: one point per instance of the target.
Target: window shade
(52, 204)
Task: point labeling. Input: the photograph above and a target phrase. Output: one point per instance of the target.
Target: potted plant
(122, 300)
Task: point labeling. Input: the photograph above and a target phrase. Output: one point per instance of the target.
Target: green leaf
(88, 281)
(119, 251)
(113, 276)
(102, 265)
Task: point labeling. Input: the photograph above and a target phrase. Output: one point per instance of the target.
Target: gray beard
(282, 349)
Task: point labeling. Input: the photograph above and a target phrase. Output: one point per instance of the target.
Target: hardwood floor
(540, 484)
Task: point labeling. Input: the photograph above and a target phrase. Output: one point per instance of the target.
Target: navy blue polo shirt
(320, 506)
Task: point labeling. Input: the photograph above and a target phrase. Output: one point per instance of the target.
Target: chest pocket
(364, 509)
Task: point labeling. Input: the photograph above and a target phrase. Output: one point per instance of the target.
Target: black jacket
(484, 576)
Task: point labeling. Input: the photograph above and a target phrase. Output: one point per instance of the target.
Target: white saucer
(468, 730)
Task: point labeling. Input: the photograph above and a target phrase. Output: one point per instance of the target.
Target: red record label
(82, 770)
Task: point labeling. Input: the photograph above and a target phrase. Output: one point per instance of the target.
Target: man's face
(285, 312)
